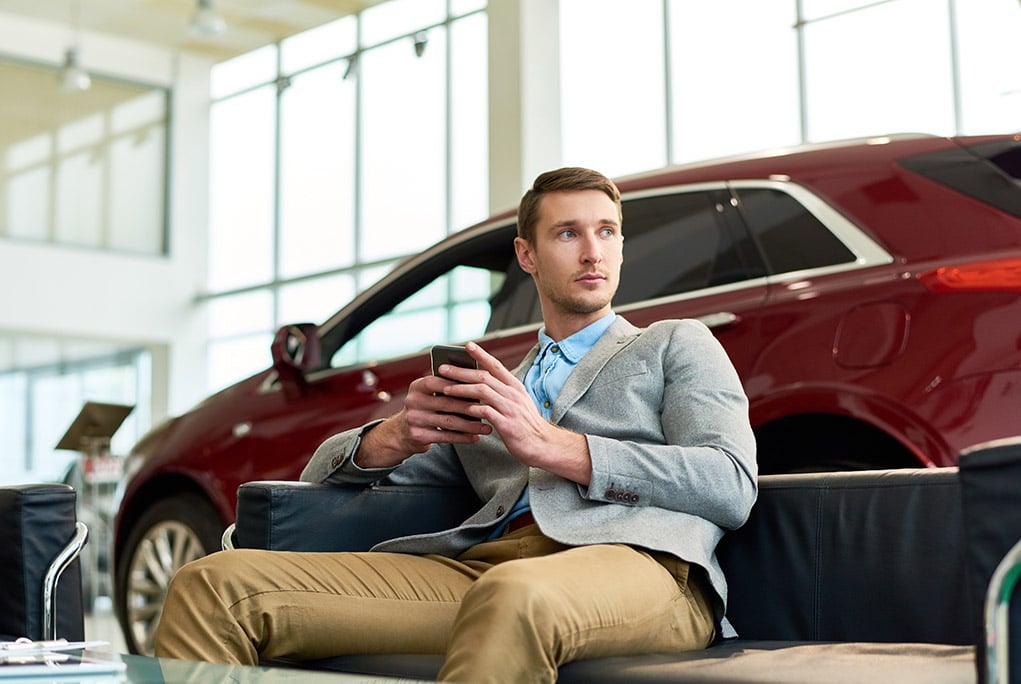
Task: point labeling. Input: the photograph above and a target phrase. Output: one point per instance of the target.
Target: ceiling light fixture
(352, 67)
(421, 40)
(207, 22)
(73, 79)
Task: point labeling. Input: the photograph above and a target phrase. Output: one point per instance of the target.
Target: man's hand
(428, 417)
(505, 404)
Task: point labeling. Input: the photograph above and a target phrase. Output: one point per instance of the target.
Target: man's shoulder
(673, 327)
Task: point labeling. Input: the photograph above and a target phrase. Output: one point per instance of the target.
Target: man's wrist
(567, 454)
(381, 446)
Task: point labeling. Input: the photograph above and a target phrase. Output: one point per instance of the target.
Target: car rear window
(791, 238)
(989, 172)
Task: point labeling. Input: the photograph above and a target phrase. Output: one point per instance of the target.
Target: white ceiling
(250, 23)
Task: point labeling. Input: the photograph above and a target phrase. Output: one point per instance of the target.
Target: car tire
(169, 534)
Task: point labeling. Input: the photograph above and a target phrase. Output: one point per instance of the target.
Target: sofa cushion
(735, 661)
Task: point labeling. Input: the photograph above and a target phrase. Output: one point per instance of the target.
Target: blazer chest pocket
(622, 373)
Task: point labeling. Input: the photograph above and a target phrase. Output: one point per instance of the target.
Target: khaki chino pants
(511, 609)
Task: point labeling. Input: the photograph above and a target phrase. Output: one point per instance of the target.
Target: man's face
(576, 256)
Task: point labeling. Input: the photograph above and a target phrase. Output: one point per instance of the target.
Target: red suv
(868, 293)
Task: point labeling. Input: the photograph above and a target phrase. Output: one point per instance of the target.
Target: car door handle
(370, 383)
(719, 319)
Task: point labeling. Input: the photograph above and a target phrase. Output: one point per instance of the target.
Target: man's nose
(592, 250)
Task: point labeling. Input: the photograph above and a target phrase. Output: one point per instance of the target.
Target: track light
(73, 78)
(352, 67)
(206, 21)
(421, 40)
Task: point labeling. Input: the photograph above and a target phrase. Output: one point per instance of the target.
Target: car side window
(677, 243)
(791, 238)
(452, 307)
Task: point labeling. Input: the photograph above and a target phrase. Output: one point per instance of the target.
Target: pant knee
(210, 574)
(512, 595)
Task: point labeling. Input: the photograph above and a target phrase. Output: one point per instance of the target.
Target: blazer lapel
(620, 334)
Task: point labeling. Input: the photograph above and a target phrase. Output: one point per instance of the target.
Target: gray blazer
(673, 454)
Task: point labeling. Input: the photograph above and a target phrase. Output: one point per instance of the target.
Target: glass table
(144, 670)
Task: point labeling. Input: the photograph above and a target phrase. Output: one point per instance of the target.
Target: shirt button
(555, 349)
(545, 404)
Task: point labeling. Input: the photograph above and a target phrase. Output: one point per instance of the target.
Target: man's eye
(567, 233)
(608, 232)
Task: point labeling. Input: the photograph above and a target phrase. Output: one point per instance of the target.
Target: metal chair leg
(227, 539)
(53, 573)
(997, 616)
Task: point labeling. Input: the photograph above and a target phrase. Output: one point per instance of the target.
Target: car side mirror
(295, 349)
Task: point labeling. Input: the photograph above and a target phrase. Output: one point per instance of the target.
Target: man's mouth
(591, 278)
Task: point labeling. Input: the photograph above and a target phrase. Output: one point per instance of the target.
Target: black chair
(40, 578)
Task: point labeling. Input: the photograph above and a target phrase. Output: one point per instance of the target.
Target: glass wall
(67, 157)
(668, 81)
(40, 400)
(333, 155)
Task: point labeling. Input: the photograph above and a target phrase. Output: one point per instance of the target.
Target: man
(609, 463)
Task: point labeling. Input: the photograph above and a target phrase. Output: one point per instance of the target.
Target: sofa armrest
(303, 516)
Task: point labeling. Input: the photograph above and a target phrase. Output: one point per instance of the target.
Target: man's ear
(525, 255)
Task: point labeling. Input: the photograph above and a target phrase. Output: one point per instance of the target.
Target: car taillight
(1000, 275)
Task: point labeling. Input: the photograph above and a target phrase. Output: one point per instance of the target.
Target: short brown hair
(569, 179)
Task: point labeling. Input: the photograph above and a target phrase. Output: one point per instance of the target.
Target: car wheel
(171, 533)
(824, 443)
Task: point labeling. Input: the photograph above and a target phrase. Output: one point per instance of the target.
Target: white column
(524, 96)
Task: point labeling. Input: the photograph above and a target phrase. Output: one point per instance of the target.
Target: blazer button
(499, 511)
(610, 494)
(634, 498)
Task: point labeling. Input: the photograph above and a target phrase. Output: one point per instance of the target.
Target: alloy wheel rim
(166, 547)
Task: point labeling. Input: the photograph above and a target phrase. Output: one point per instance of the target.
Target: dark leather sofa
(40, 577)
(863, 576)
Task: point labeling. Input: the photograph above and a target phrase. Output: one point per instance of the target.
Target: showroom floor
(101, 624)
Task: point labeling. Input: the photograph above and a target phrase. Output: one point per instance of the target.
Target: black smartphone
(454, 356)
(449, 354)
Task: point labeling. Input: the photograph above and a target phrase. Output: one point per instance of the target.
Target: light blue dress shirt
(544, 380)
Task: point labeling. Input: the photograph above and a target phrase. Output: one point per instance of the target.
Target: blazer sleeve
(699, 456)
(333, 463)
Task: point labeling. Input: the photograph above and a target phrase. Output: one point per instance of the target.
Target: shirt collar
(578, 344)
